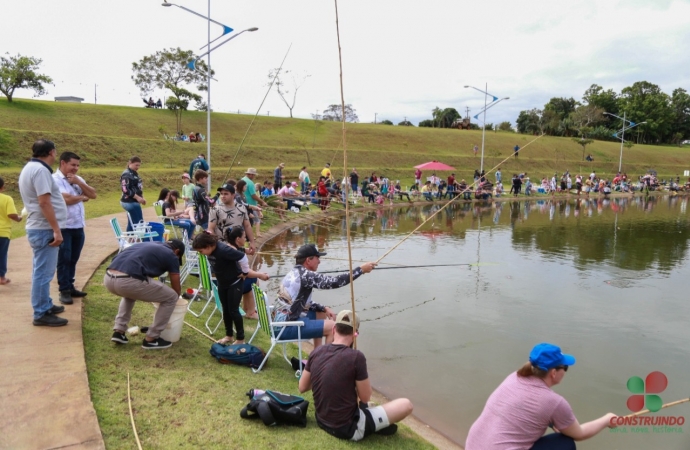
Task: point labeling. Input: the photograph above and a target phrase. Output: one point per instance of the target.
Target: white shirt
(302, 175)
(75, 212)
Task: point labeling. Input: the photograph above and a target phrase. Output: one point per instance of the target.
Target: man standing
(295, 291)
(252, 197)
(354, 180)
(131, 275)
(132, 192)
(228, 213)
(202, 204)
(499, 176)
(278, 176)
(47, 216)
(199, 163)
(417, 177)
(516, 150)
(304, 179)
(337, 375)
(75, 191)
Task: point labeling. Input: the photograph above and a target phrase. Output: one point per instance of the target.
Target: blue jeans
(44, 264)
(4, 248)
(68, 256)
(134, 210)
(554, 441)
(183, 223)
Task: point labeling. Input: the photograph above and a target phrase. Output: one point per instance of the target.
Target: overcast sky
(400, 58)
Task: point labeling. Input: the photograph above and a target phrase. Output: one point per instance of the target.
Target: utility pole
(95, 97)
(467, 111)
(375, 114)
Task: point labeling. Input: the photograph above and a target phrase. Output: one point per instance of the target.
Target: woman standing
(132, 192)
(230, 266)
(523, 407)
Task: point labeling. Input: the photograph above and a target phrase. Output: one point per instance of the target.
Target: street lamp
(192, 65)
(494, 102)
(625, 128)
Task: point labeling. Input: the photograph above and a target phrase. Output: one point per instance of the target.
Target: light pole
(494, 102)
(625, 128)
(192, 65)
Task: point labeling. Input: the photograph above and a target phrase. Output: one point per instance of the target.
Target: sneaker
(56, 309)
(120, 338)
(388, 431)
(66, 298)
(159, 343)
(77, 293)
(49, 320)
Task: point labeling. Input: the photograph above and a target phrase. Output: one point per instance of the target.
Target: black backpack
(240, 354)
(276, 408)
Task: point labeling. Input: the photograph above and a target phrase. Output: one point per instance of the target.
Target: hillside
(105, 136)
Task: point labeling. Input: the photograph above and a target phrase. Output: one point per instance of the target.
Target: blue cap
(547, 356)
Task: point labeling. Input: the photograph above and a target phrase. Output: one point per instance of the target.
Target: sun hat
(308, 250)
(546, 356)
(251, 171)
(345, 317)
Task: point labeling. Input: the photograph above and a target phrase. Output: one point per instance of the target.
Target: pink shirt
(518, 413)
(283, 191)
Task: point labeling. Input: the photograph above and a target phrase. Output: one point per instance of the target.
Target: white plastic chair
(124, 238)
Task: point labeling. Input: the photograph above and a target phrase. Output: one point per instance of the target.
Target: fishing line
(232, 163)
(400, 310)
(449, 203)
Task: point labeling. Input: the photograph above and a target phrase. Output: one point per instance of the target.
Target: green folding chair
(124, 238)
(164, 220)
(205, 285)
(274, 329)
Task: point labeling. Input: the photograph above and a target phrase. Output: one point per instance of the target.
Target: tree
(644, 101)
(680, 103)
(20, 72)
(583, 140)
(334, 113)
(386, 122)
(505, 126)
(168, 69)
(297, 80)
(607, 101)
(427, 123)
(405, 123)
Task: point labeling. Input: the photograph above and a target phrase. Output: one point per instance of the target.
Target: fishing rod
(404, 267)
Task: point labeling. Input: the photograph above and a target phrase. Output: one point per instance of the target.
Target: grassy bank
(183, 398)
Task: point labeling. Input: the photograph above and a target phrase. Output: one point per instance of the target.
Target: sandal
(224, 340)
(5, 281)
(238, 342)
(254, 316)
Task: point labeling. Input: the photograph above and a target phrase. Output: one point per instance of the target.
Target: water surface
(606, 280)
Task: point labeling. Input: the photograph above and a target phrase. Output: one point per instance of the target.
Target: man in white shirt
(75, 191)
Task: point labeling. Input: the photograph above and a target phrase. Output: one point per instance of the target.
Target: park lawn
(183, 398)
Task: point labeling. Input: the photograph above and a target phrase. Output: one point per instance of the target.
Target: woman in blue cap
(519, 411)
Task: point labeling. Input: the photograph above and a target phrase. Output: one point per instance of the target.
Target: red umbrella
(434, 165)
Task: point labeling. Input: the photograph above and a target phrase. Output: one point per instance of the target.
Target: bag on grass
(240, 354)
(276, 408)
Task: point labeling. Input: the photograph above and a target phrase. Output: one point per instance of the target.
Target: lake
(604, 279)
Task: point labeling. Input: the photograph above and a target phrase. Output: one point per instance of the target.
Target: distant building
(69, 99)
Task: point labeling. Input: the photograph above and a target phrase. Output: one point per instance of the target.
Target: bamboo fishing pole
(347, 203)
(448, 204)
(667, 405)
(403, 267)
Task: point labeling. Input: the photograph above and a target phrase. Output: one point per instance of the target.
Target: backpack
(240, 354)
(276, 408)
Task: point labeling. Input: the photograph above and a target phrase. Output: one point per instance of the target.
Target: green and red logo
(645, 392)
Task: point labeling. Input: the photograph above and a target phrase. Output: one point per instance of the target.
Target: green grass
(183, 398)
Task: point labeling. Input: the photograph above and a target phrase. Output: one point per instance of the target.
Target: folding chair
(206, 285)
(143, 229)
(218, 308)
(274, 329)
(163, 219)
(124, 238)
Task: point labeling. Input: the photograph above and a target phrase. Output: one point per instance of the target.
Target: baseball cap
(546, 356)
(345, 317)
(294, 183)
(185, 175)
(227, 187)
(308, 250)
(177, 244)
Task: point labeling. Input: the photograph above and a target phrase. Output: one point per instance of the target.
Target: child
(7, 212)
(187, 191)
(236, 238)
(230, 267)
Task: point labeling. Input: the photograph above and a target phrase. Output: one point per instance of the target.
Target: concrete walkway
(45, 401)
